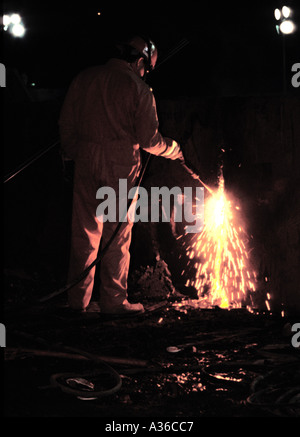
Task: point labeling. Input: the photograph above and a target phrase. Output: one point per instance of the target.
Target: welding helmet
(146, 48)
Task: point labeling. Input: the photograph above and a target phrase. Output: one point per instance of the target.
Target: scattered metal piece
(173, 349)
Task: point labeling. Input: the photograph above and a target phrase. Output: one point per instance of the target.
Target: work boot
(125, 309)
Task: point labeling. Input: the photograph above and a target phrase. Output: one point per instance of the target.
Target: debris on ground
(193, 363)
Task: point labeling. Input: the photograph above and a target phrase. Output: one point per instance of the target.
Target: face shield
(150, 60)
(148, 51)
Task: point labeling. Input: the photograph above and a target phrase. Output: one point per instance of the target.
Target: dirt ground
(171, 361)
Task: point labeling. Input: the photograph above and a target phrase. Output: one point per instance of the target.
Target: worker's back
(100, 112)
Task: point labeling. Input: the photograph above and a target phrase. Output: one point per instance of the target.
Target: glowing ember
(223, 277)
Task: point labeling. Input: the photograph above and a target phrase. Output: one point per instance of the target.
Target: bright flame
(223, 276)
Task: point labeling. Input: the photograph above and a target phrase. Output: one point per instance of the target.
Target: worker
(109, 113)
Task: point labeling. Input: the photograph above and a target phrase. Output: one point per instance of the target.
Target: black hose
(81, 276)
(29, 161)
(61, 379)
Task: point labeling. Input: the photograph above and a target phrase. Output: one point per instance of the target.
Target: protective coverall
(108, 114)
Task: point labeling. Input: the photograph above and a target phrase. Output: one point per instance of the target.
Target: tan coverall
(108, 114)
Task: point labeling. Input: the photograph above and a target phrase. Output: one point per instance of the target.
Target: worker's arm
(148, 136)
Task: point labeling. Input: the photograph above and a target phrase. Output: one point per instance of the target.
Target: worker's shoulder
(122, 74)
(89, 72)
(116, 73)
(136, 82)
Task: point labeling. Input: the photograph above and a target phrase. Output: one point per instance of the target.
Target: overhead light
(6, 20)
(13, 23)
(286, 11)
(287, 27)
(18, 30)
(277, 14)
(15, 19)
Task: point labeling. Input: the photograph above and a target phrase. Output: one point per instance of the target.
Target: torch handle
(195, 176)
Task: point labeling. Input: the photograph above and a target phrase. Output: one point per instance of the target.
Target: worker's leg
(86, 235)
(115, 266)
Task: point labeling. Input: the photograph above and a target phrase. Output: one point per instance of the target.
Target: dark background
(233, 49)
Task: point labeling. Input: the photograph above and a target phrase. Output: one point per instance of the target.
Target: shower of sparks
(223, 277)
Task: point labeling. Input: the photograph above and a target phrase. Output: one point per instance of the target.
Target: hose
(71, 382)
(67, 382)
(273, 390)
(29, 161)
(81, 276)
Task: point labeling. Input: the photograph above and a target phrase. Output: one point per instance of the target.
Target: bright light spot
(6, 20)
(286, 11)
(287, 27)
(13, 23)
(18, 30)
(268, 305)
(15, 19)
(98, 13)
(277, 14)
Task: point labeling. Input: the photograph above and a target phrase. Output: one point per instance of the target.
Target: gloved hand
(173, 150)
